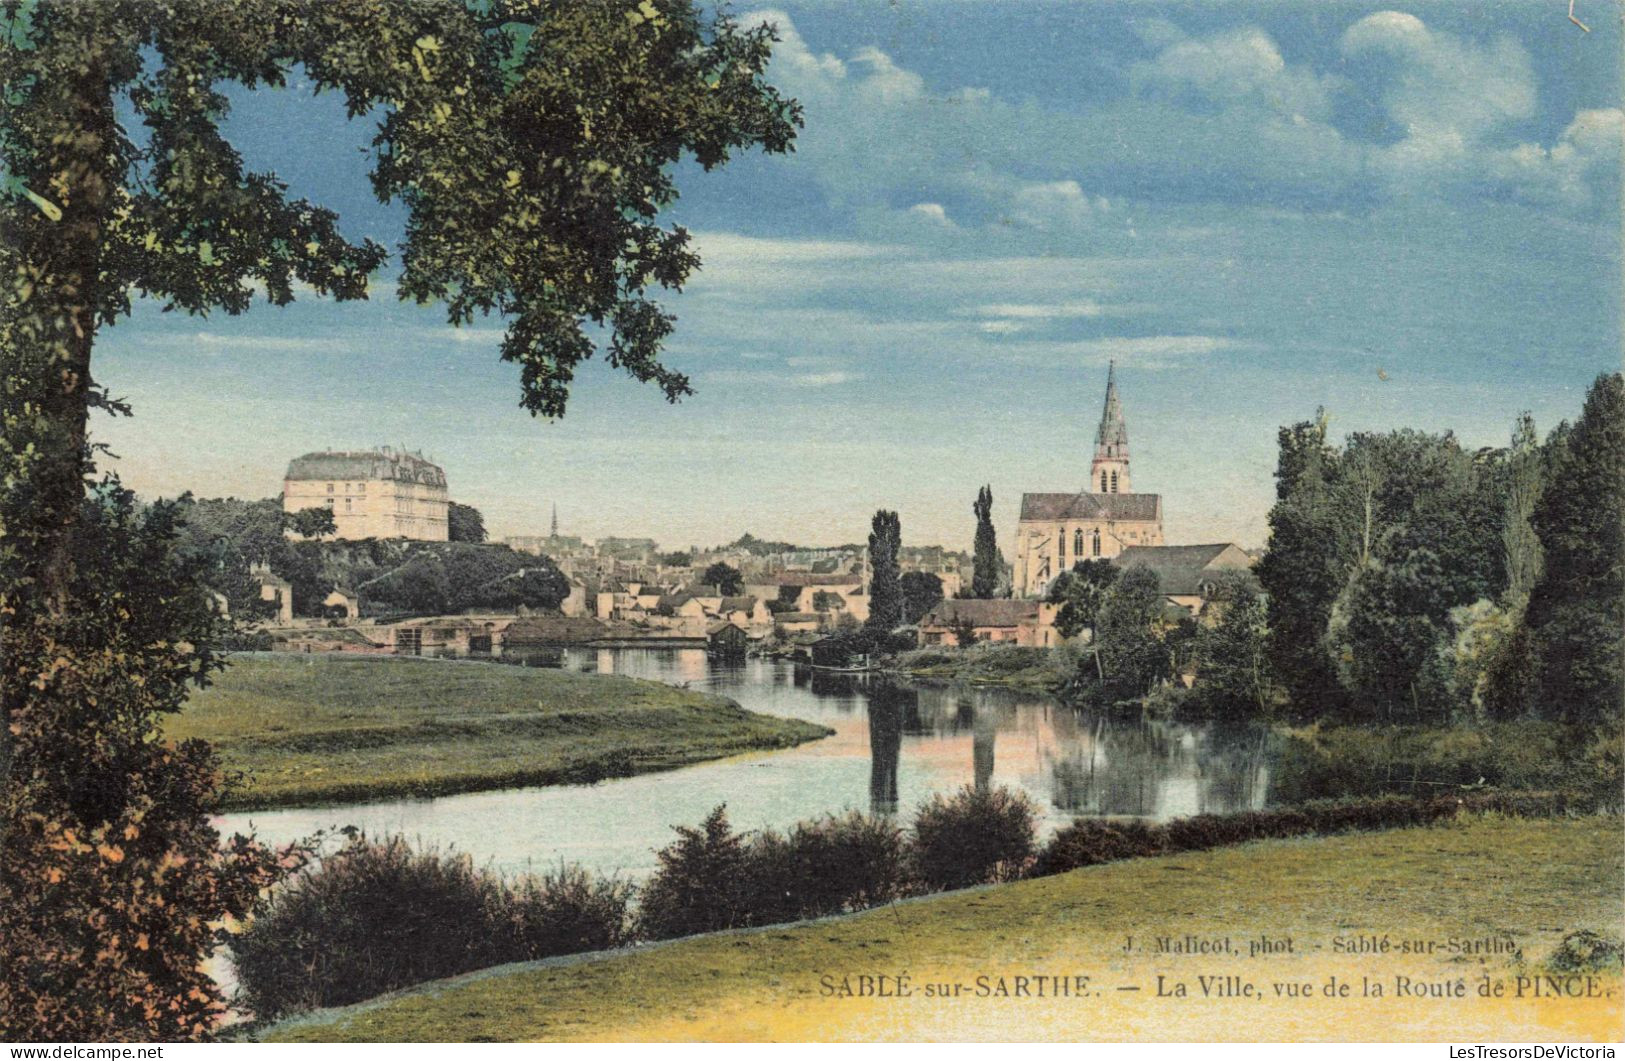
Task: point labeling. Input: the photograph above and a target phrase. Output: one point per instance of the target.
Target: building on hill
(1106, 517)
(1189, 573)
(381, 493)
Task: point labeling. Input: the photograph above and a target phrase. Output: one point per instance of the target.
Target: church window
(1077, 543)
(1103, 482)
(1097, 541)
(1060, 545)
(1114, 482)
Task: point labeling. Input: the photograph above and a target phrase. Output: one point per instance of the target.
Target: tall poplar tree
(885, 581)
(985, 558)
(532, 145)
(1576, 612)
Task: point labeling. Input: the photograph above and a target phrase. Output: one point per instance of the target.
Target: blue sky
(1408, 215)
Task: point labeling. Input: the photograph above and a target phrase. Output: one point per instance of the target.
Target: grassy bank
(305, 729)
(1018, 667)
(1534, 881)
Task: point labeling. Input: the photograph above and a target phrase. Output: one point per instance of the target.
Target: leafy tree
(312, 522)
(985, 562)
(964, 632)
(922, 591)
(1576, 612)
(727, 579)
(533, 146)
(1080, 592)
(464, 523)
(1304, 568)
(1233, 671)
(885, 586)
(1520, 546)
(678, 558)
(824, 601)
(113, 876)
(1131, 649)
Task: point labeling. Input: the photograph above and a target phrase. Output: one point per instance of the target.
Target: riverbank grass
(319, 729)
(1534, 881)
(1038, 670)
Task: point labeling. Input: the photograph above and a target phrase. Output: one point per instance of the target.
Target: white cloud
(1238, 67)
(1151, 350)
(823, 379)
(932, 212)
(1040, 310)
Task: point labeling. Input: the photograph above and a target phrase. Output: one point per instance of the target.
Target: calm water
(894, 745)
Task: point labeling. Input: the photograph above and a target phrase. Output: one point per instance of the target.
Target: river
(894, 746)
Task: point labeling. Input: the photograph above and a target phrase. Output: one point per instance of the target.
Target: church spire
(1112, 438)
(555, 519)
(1108, 474)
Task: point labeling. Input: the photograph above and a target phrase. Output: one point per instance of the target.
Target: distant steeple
(555, 519)
(1108, 473)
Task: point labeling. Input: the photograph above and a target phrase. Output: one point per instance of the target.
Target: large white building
(382, 493)
(1095, 523)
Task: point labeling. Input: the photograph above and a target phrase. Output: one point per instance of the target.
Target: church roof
(1143, 508)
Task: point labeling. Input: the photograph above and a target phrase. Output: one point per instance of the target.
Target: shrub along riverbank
(1535, 881)
(304, 729)
(374, 917)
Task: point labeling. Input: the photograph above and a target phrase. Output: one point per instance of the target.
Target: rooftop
(1126, 507)
(384, 463)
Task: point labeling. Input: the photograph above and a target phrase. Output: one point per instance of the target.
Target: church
(1095, 523)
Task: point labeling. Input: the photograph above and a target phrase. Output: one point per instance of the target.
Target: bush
(567, 911)
(1587, 952)
(377, 916)
(1091, 841)
(701, 884)
(974, 837)
(712, 878)
(830, 866)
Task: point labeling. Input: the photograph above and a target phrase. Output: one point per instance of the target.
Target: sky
(1407, 215)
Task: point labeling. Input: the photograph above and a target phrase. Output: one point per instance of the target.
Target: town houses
(625, 588)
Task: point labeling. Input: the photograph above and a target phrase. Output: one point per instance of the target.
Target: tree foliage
(885, 582)
(312, 522)
(1129, 639)
(464, 523)
(985, 562)
(112, 875)
(726, 577)
(1080, 593)
(1576, 615)
(921, 591)
(533, 145)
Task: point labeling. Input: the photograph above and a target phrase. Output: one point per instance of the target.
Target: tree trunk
(50, 327)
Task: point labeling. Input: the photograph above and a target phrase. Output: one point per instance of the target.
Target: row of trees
(1410, 579)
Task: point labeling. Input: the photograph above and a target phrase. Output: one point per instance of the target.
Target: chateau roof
(1183, 568)
(981, 612)
(366, 464)
(1144, 508)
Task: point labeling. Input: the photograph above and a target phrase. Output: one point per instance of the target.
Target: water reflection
(907, 742)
